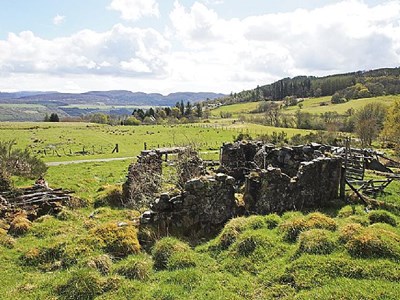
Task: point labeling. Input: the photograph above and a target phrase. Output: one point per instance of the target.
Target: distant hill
(361, 84)
(119, 98)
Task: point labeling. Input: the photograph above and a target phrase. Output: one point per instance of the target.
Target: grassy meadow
(341, 252)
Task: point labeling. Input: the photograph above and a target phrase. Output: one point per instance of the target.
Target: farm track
(59, 163)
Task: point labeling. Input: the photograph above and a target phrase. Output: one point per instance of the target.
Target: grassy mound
(374, 242)
(82, 284)
(109, 195)
(164, 249)
(19, 225)
(137, 267)
(317, 241)
(294, 226)
(382, 216)
(117, 241)
(347, 232)
(101, 263)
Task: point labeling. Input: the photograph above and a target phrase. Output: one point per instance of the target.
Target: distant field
(67, 141)
(311, 105)
(235, 109)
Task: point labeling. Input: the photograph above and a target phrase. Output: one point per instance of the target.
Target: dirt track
(59, 163)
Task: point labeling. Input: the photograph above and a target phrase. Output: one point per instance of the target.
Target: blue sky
(185, 45)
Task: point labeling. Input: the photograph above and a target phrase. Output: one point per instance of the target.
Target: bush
(293, 227)
(82, 284)
(382, 216)
(19, 225)
(317, 241)
(164, 249)
(272, 221)
(137, 267)
(374, 242)
(118, 241)
(101, 263)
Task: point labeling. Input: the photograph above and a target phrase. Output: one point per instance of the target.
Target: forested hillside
(342, 87)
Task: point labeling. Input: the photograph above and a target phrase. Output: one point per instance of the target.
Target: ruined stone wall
(203, 208)
(315, 184)
(143, 180)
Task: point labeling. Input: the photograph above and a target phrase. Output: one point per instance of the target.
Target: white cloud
(57, 20)
(135, 9)
(346, 36)
(121, 51)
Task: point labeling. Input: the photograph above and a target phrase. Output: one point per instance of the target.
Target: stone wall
(143, 180)
(201, 209)
(315, 184)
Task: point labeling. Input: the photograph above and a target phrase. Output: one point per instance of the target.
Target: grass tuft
(101, 263)
(19, 225)
(164, 249)
(137, 267)
(117, 241)
(382, 216)
(317, 241)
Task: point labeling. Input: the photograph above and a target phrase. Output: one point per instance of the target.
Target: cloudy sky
(184, 45)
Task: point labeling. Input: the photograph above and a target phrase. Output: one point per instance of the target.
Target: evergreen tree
(54, 118)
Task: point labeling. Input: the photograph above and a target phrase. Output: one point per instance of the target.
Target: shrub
(118, 241)
(348, 231)
(382, 216)
(317, 241)
(272, 221)
(101, 263)
(163, 250)
(19, 225)
(374, 242)
(81, 284)
(293, 227)
(135, 267)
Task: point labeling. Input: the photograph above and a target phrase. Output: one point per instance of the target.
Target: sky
(164, 46)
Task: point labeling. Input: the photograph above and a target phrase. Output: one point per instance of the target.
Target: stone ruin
(269, 179)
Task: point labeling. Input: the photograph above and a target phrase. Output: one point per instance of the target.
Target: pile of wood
(37, 201)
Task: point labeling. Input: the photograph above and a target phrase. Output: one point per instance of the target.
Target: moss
(137, 267)
(117, 241)
(316, 241)
(164, 249)
(382, 216)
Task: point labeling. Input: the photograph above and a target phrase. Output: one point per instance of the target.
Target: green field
(104, 107)
(311, 105)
